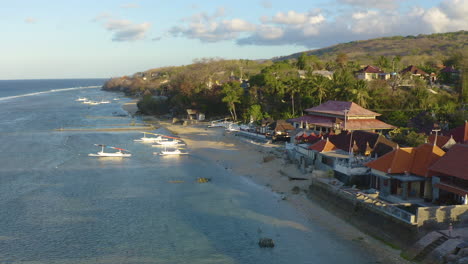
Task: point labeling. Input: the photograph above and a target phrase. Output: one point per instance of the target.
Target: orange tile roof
(323, 146)
(397, 161)
(454, 163)
(424, 157)
(414, 160)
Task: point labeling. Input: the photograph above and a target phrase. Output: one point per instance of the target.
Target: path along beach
(263, 165)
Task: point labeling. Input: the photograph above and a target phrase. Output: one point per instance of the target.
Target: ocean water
(57, 205)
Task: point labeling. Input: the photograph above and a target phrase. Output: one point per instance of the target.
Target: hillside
(415, 48)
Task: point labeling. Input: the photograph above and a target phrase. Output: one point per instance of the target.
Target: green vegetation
(411, 49)
(251, 90)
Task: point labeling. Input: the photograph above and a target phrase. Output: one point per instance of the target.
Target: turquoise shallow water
(57, 205)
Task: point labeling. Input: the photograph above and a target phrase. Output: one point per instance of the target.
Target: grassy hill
(414, 49)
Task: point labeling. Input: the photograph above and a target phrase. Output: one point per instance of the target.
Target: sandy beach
(264, 165)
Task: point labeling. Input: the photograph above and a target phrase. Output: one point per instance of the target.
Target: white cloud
(30, 20)
(289, 18)
(130, 5)
(125, 30)
(122, 29)
(318, 28)
(378, 4)
(212, 28)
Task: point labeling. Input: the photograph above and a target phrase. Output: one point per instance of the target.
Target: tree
(255, 112)
(302, 61)
(232, 94)
(321, 85)
(360, 94)
(341, 59)
(383, 62)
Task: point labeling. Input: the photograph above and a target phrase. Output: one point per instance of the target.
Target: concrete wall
(378, 224)
(441, 215)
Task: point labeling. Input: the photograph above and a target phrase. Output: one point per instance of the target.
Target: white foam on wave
(49, 91)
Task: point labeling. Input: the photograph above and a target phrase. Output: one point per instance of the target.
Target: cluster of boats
(170, 144)
(85, 100)
(228, 125)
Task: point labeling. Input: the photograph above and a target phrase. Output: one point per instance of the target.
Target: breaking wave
(49, 91)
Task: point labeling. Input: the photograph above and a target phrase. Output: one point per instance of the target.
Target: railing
(382, 206)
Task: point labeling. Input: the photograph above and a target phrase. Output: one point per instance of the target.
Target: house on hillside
(370, 73)
(403, 173)
(449, 74)
(336, 116)
(450, 177)
(415, 72)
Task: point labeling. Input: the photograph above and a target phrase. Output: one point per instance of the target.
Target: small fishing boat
(171, 143)
(166, 152)
(81, 99)
(150, 139)
(104, 102)
(120, 153)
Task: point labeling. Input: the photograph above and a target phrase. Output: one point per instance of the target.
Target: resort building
(336, 116)
(403, 173)
(450, 177)
(414, 72)
(370, 73)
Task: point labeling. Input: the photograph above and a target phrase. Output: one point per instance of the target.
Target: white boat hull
(170, 153)
(168, 143)
(105, 154)
(150, 140)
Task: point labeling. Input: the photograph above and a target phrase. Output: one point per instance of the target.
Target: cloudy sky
(88, 38)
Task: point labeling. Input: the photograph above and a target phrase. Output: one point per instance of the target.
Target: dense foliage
(251, 90)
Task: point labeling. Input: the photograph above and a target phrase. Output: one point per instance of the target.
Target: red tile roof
(366, 124)
(460, 134)
(371, 69)
(337, 108)
(352, 124)
(415, 160)
(323, 146)
(454, 163)
(413, 70)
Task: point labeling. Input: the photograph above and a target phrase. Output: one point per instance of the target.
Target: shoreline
(264, 165)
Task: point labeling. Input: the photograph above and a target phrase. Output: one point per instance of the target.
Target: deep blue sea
(57, 205)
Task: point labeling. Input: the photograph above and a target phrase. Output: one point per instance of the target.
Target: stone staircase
(429, 248)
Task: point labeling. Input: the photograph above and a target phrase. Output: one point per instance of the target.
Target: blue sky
(80, 39)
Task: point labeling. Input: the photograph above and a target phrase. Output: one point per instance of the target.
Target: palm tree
(360, 93)
(321, 85)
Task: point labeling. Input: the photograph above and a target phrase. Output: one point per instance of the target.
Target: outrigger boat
(119, 153)
(81, 99)
(166, 152)
(172, 143)
(150, 139)
(104, 102)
